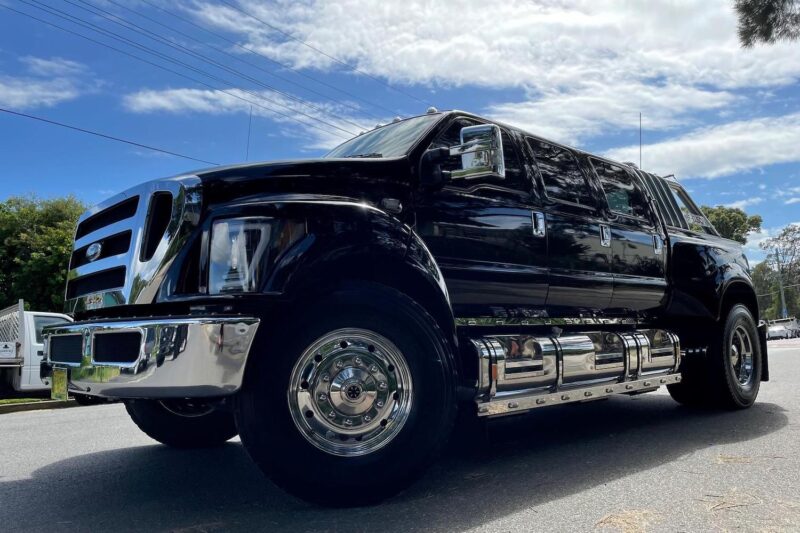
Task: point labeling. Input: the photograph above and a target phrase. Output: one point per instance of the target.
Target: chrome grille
(138, 233)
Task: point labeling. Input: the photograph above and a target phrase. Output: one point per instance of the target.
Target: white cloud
(50, 81)
(337, 125)
(584, 66)
(795, 200)
(722, 150)
(54, 66)
(593, 108)
(742, 204)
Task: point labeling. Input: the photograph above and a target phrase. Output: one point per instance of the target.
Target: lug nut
(379, 403)
(382, 385)
(339, 364)
(332, 414)
(357, 360)
(326, 377)
(373, 369)
(348, 422)
(367, 418)
(323, 397)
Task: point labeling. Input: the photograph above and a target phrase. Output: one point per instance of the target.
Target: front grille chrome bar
(142, 278)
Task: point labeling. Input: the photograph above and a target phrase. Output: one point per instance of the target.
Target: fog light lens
(238, 254)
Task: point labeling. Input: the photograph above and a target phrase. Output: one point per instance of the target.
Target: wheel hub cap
(350, 392)
(741, 355)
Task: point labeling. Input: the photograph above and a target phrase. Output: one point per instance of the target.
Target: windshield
(394, 140)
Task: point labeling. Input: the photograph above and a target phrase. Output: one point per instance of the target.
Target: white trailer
(22, 347)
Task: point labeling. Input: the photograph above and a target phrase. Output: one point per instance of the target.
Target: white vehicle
(778, 332)
(791, 324)
(21, 347)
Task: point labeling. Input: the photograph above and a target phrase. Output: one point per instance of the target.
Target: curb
(36, 406)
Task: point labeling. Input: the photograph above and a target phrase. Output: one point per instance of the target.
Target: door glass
(562, 176)
(39, 322)
(623, 195)
(694, 217)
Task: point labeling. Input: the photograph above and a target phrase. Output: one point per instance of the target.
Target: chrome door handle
(657, 245)
(605, 235)
(539, 226)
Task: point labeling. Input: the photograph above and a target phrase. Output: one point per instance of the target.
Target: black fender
(344, 240)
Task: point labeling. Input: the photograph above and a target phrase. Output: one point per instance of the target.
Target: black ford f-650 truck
(337, 312)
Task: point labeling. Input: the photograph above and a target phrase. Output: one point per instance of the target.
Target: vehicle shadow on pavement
(518, 462)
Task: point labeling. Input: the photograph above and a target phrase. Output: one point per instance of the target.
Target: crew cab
(336, 313)
(21, 348)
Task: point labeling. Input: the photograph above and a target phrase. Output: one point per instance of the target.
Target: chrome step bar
(522, 372)
(525, 402)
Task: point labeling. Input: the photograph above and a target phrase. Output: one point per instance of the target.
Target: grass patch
(9, 401)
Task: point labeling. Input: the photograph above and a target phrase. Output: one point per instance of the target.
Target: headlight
(238, 254)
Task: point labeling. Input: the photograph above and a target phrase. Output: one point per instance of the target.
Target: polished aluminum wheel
(350, 392)
(741, 355)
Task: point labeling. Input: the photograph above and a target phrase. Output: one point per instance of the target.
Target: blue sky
(724, 120)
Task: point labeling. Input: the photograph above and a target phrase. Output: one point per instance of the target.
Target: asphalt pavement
(624, 464)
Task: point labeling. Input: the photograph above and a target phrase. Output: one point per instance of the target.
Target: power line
(180, 48)
(117, 37)
(336, 59)
(172, 71)
(250, 63)
(104, 136)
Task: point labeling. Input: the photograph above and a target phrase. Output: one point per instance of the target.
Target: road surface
(625, 464)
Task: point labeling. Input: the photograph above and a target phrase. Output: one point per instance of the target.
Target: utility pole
(784, 311)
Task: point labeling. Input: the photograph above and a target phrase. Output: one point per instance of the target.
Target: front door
(486, 237)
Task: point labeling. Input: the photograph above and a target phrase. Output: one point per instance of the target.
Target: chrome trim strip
(179, 357)
(103, 233)
(518, 403)
(106, 263)
(533, 321)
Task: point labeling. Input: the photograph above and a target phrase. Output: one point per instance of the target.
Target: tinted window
(39, 322)
(392, 140)
(516, 177)
(563, 179)
(622, 193)
(697, 220)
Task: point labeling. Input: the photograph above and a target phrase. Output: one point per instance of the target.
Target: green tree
(732, 222)
(783, 258)
(767, 21)
(35, 246)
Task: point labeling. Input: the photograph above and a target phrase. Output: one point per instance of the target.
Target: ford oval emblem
(93, 251)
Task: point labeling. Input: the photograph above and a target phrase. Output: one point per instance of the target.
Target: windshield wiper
(373, 154)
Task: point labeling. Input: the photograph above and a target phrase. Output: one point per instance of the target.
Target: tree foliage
(783, 258)
(767, 21)
(35, 246)
(732, 222)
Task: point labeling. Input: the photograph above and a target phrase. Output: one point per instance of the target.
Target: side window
(623, 195)
(39, 323)
(697, 221)
(516, 177)
(563, 179)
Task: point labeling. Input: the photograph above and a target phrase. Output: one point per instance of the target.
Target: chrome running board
(520, 402)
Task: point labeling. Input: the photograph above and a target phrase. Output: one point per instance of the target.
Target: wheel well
(391, 273)
(738, 293)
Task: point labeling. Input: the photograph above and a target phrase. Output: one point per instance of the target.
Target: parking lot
(626, 464)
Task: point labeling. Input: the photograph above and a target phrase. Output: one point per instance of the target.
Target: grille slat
(121, 211)
(97, 282)
(114, 245)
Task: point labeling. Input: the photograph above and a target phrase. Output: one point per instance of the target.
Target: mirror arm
(431, 175)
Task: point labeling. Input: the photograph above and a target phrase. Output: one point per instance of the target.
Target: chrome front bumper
(177, 357)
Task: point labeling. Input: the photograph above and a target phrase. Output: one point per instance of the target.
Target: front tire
(351, 402)
(730, 376)
(182, 423)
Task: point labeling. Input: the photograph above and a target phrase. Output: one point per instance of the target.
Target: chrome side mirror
(481, 152)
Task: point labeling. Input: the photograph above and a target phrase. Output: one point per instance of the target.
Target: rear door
(482, 234)
(637, 242)
(578, 239)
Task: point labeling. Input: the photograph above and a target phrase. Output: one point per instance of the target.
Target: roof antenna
(640, 139)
